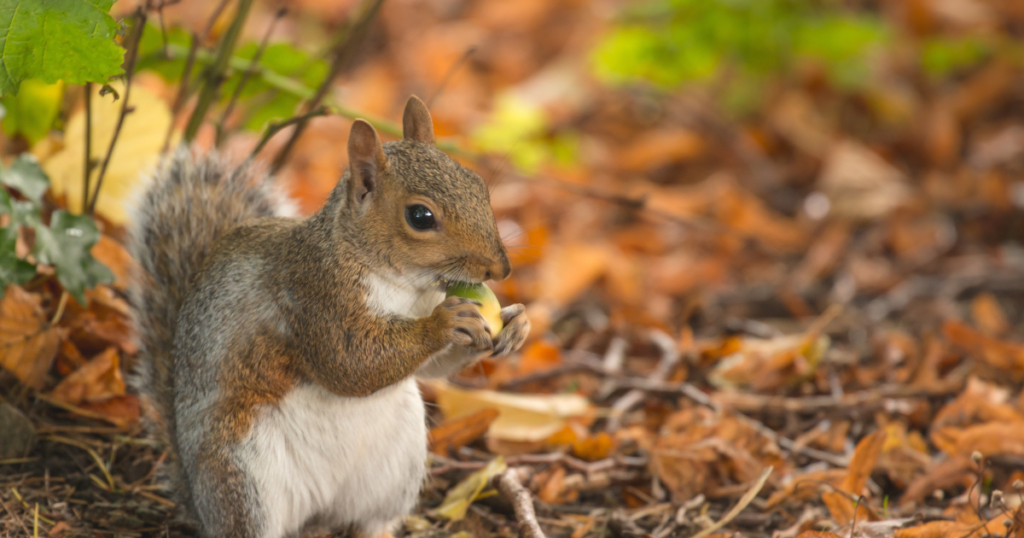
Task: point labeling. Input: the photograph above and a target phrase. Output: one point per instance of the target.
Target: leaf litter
(802, 322)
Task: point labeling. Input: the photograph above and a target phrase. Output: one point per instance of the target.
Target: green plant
(76, 35)
(672, 42)
(64, 244)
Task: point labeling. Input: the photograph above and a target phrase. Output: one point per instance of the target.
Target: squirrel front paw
(464, 325)
(517, 328)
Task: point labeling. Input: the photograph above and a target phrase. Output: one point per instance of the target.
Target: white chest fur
(336, 460)
(404, 296)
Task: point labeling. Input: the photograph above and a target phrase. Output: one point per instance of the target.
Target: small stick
(215, 72)
(451, 74)
(140, 23)
(213, 19)
(509, 483)
(179, 99)
(342, 55)
(748, 497)
(273, 128)
(246, 75)
(88, 147)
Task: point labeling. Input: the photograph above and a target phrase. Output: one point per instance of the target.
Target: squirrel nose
(499, 270)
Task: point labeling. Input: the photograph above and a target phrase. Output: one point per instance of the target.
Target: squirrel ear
(416, 122)
(366, 163)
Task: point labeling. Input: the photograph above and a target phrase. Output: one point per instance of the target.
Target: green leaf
(31, 113)
(51, 40)
(66, 245)
(25, 176)
(13, 270)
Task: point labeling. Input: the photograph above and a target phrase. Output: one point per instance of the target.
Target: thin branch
(213, 19)
(274, 128)
(87, 166)
(510, 484)
(133, 51)
(451, 74)
(215, 72)
(179, 99)
(246, 75)
(747, 498)
(343, 55)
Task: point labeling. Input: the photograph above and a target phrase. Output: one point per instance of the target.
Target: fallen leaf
(522, 417)
(456, 433)
(839, 503)
(98, 380)
(657, 148)
(859, 184)
(988, 315)
(138, 147)
(28, 344)
(458, 499)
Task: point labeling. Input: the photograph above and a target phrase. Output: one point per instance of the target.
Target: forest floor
(802, 322)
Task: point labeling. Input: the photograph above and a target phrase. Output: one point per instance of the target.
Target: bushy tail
(191, 201)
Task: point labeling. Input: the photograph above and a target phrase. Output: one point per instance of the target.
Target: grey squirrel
(278, 355)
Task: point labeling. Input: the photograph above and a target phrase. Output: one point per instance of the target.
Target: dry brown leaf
(569, 270)
(988, 315)
(1006, 356)
(523, 417)
(115, 257)
(658, 148)
(990, 439)
(865, 456)
(28, 344)
(859, 184)
(954, 471)
(99, 380)
(453, 434)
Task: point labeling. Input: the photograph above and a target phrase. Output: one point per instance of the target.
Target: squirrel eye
(420, 217)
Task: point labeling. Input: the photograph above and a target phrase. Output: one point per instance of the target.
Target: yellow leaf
(521, 417)
(457, 502)
(138, 147)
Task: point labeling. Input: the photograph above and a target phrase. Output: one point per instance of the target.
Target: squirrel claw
(517, 328)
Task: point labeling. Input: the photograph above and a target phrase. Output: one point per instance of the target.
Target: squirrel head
(417, 211)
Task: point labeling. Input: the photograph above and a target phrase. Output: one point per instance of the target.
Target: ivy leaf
(25, 176)
(13, 270)
(66, 245)
(51, 40)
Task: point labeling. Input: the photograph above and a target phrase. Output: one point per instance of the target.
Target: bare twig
(214, 75)
(510, 485)
(343, 54)
(246, 75)
(451, 74)
(747, 498)
(129, 70)
(213, 19)
(179, 98)
(87, 166)
(274, 128)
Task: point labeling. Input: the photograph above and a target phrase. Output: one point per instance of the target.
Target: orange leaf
(100, 379)
(865, 456)
(817, 534)
(115, 257)
(569, 270)
(27, 343)
(456, 433)
(539, 356)
(121, 411)
(1005, 356)
(593, 448)
(988, 315)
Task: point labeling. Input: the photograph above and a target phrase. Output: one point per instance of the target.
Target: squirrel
(279, 356)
